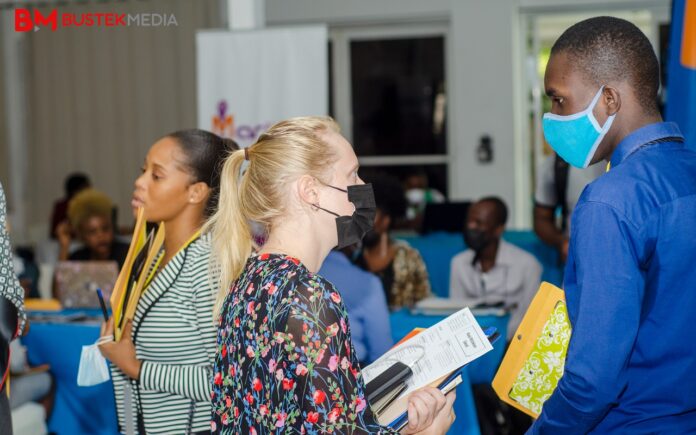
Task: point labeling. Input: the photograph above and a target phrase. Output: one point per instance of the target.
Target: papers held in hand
(435, 357)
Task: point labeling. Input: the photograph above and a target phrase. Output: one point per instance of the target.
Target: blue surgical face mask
(576, 137)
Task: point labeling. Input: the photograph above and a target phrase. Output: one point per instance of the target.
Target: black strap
(561, 168)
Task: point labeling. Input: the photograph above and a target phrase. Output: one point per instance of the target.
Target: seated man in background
(89, 215)
(492, 271)
(74, 183)
(363, 296)
(399, 266)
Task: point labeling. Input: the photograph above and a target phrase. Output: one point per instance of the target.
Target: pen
(103, 305)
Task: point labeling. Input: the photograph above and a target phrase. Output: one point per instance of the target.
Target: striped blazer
(175, 339)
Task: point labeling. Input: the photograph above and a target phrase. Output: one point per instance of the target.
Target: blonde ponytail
(230, 230)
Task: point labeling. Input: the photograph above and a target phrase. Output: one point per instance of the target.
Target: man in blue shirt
(630, 280)
(363, 295)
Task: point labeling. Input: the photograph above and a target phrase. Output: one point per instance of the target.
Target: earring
(315, 207)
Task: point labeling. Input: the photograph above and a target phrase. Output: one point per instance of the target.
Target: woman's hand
(121, 353)
(429, 412)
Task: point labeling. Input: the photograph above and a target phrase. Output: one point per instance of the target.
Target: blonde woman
(285, 363)
(162, 365)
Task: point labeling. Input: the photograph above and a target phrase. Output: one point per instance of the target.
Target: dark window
(398, 96)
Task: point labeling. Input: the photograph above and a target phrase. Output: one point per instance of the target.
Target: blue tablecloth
(77, 410)
(480, 371)
(437, 250)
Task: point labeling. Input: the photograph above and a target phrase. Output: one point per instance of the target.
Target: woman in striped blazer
(161, 367)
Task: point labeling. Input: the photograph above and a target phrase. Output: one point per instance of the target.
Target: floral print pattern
(285, 363)
(544, 367)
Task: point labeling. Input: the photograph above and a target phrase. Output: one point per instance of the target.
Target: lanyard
(158, 262)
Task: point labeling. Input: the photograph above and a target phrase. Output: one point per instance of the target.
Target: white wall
(481, 94)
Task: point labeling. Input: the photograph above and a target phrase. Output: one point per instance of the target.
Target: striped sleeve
(188, 381)
(191, 381)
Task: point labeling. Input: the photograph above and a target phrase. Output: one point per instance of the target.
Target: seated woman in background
(89, 216)
(395, 262)
(164, 359)
(285, 362)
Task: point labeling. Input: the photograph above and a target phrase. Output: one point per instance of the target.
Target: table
(77, 410)
(91, 410)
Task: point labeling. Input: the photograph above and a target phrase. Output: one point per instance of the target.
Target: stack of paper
(436, 356)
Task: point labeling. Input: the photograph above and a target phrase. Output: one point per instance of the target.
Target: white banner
(248, 80)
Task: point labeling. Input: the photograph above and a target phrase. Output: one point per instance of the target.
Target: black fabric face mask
(351, 229)
(476, 239)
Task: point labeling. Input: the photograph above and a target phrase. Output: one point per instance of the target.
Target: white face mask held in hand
(93, 369)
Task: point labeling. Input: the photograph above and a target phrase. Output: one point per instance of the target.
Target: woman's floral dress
(285, 363)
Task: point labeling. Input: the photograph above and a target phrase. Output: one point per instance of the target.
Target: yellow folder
(533, 364)
(128, 286)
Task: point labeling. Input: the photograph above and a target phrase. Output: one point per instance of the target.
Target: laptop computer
(77, 281)
(448, 216)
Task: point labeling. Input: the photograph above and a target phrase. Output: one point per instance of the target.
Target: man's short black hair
(389, 195)
(501, 210)
(76, 182)
(608, 49)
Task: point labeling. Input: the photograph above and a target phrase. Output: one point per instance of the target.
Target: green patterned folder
(533, 363)
(544, 366)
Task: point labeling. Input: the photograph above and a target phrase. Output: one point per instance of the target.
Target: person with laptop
(162, 364)
(89, 216)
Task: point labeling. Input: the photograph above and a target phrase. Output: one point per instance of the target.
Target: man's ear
(307, 189)
(500, 229)
(612, 99)
(198, 192)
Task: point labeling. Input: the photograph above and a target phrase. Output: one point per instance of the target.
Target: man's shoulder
(518, 256)
(462, 258)
(334, 263)
(644, 182)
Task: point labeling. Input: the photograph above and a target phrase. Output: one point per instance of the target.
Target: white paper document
(437, 351)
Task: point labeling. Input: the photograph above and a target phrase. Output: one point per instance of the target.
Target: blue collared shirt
(363, 295)
(630, 287)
